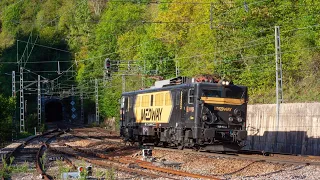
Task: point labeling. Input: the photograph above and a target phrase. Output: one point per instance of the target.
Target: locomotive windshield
(235, 92)
(212, 93)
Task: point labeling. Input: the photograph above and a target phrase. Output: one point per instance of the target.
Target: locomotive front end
(223, 113)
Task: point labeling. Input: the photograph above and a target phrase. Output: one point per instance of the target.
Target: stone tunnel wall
(298, 131)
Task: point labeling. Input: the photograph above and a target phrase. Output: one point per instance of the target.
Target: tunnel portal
(53, 111)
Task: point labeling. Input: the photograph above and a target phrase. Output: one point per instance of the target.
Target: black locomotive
(182, 112)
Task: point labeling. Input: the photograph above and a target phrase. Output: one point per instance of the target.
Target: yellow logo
(150, 114)
(222, 108)
(153, 110)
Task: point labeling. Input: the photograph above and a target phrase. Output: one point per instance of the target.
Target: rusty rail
(149, 165)
(24, 143)
(143, 164)
(284, 159)
(107, 164)
(40, 152)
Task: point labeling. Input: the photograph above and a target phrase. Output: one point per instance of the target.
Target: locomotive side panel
(153, 107)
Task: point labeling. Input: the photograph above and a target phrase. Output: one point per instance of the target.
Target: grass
(43, 161)
(7, 168)
(110, 174)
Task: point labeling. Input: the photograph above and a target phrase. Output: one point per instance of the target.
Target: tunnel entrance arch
(53, 110)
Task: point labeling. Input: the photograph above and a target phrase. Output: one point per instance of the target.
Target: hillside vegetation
(231, 38)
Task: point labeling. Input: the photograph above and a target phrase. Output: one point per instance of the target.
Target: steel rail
(104, 163)
(143, 164)
(261, 158)
(40, 153)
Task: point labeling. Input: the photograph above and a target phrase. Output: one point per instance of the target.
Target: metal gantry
(39, 101)
(123, 83)
(13, 84)
(22, 128)
(82, 110)
(97, 100)
(73, 109)
(279, 91)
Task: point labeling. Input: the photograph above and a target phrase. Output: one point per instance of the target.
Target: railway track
(110, 156)
(251, 159)
(30, 152)
(243, 155)
(276, 158)
(103, 163)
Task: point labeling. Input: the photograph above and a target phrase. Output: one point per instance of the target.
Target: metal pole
(39, 102)
(73, 109)
(13, 84)
(279, 92)
(97, 101)
(17, 51)
(123, 83)
(82, 110)
(59, 67)
(22, 127)
(13, 95)
(176, 69)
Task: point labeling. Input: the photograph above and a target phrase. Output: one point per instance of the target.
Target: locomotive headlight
(237, 112)
(223, 83)
(239, 119)
(204, 117)
(230, 119)
(227, 83)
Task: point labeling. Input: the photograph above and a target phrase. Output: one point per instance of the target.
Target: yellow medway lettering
(158, 111)
(222, 108)
(214, 100)
(150, 114)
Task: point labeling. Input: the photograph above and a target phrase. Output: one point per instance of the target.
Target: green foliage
(110, 174)
(31, 122)
(10, 18)
(24, 168)
(43, 128)
(6, 111)
(62, 168)
(43, 161)
(23, 135)
(99, 174)
(7, 168)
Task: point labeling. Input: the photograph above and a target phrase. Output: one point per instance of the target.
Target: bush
(23, 135)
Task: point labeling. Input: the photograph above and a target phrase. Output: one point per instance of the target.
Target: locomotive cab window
(159, 99)
(122, 102)
(235, 92)
(177, 98)
(138, 101)
(191, 96)
(167, 99)
(211, 93)
(151, 101)
(130, 102)
(145, 101)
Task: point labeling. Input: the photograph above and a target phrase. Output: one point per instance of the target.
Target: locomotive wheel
(180, 147)
(156, 142)
(195, 148)
(132, 143)
(164, 144)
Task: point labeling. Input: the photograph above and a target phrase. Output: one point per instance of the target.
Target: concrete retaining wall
(298, 131)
